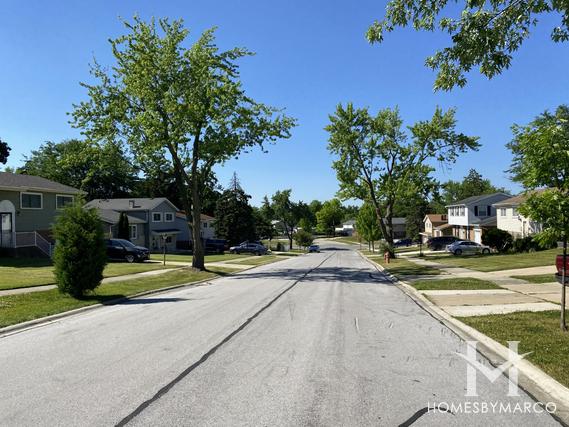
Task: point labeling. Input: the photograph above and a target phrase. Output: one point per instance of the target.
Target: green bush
(529, 244)
(303, 238)
(498, 239)
(80, 251)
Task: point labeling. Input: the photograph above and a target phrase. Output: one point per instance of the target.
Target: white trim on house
(156, 213)
(131, 228)
(31, 194)
(63, 195)
(173, 215)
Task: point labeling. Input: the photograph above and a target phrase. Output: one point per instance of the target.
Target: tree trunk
(563, 276)
(197, 250)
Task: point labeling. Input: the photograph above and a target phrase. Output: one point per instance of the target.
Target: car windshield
(126, 243)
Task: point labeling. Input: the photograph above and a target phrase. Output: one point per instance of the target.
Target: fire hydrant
(387, 257)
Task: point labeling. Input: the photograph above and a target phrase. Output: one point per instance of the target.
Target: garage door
(478, 235)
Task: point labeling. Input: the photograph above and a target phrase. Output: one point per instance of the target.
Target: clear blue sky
(311, 55)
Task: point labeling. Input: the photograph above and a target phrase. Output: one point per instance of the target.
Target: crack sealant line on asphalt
(165, 389)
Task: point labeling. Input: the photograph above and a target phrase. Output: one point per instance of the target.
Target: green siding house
(28, 208)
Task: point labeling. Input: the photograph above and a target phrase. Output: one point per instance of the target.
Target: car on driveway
(313, 248)
(441, 242)
(402, 243)
(251, 248)
(467, 247)
(120, 249)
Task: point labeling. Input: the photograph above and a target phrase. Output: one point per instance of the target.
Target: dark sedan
(120, 249)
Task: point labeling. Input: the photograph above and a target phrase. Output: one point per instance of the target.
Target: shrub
(498, 239)
(280, 247)
(303, 238)
(80, 251)
(528, 244)
(123, 231)
(386, 247)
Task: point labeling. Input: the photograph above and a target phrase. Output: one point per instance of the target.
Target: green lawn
(188, 257)
(259, 260)
(407, 249)
(537, 332)
(462, 283)
(538, 278)
(20, 308)
(402, 267)
(498, 262)
(23, 272)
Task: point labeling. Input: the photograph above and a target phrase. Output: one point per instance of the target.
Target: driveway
(323, 339)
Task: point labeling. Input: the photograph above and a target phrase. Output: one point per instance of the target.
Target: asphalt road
(322, 339)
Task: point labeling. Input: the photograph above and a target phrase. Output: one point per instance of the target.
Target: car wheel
(486, 251)
(129, 258)
(257, 253)
(458, 252)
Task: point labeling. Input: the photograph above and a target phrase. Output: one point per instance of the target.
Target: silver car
(467, 247)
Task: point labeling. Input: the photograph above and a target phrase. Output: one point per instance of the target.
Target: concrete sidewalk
(516, 295)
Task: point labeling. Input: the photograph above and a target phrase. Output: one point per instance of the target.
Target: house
(348, 228)
(435, 225)
(28, 208)
(471, 216)
(152, 221)
(185, 237)
(510, 220)
(399, 227)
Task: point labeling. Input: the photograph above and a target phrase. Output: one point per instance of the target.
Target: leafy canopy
(484, 34)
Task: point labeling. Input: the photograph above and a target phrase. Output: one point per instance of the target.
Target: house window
(168, 217)
(63, 201)
(31, 200)
(514, 212)
(205, 225)
(462, 211)
(156, 216)
(502, 211)
(475, 210)
(133, 232)
(489, 210)
(168, 239)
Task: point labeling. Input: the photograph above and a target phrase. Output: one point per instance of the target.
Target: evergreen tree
(123, 227)
(234, 217)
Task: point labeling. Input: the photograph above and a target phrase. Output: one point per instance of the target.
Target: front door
(6, 230)
(478, 235)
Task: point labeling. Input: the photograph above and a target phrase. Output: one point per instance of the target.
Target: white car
(467, 247)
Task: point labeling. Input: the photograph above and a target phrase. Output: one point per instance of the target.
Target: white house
(510, 220)
(348, 228)
(469, 217)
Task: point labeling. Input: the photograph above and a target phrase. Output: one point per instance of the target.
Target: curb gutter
(532, 380)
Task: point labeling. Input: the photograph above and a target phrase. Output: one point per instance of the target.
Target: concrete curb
(42, 321)
(532, 379)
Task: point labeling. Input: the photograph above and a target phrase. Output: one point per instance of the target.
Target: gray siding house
(28, 208)
(152, 221)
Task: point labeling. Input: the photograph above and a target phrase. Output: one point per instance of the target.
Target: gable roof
(477, 199)
(436, 219)
(203, 217)
(140, 204)
(112, 217)
(517, 200)
(21, 182)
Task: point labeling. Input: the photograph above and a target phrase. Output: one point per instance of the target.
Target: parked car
(402, 243)
(313, 248)
(441, 242)
(216, 246)
(252, 248)
(120, 249)
(559, 266)
(467, 247)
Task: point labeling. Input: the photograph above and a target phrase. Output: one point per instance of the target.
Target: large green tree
(541, 160)
(101, 170)
(377, 161)
(330, 216)
(286, 212)
(483, 34)
(367, 226)
(183, 105)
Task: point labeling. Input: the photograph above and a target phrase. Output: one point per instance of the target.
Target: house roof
(112, 217)
(436, 219)
(444, 226)
(476, 199)
(491, 221)
(517, 200)
(140, 204)
(203, 217)
(21, 182)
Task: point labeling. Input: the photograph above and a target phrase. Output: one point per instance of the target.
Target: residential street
(321, 339)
